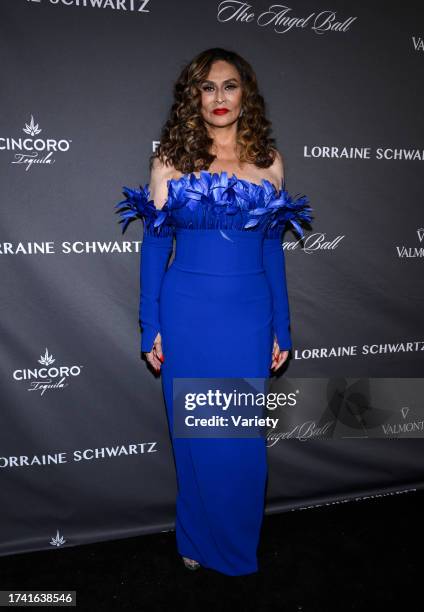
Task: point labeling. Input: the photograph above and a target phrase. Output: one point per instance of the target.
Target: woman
(221, 308)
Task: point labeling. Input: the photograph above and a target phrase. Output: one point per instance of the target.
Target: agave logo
(48, 376)
(34, 149)
(31, 129)
(58, 540)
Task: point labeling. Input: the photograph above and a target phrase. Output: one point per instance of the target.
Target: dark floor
(363, 555)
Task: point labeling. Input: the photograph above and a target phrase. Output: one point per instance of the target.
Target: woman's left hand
(278, 357)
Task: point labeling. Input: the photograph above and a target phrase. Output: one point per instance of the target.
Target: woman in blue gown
(221, 309)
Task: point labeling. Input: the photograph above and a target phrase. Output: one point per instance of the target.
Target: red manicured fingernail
(162, 358)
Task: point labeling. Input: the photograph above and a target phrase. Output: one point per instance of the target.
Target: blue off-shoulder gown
(218, 307)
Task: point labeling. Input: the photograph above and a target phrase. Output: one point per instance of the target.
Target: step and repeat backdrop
(86, 86)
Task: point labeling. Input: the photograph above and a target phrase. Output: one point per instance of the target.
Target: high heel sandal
(191, 563)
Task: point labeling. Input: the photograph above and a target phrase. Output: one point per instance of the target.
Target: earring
(241, 112)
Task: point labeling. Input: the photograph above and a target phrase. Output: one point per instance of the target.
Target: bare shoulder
(160, 173)
(277, 168)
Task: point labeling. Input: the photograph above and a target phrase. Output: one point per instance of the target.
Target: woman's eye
(211, 87)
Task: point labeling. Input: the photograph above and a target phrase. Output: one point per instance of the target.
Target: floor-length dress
(216, 320)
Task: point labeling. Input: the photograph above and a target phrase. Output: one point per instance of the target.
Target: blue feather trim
(138, 205)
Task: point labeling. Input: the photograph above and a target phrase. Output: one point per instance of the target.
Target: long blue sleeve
(156, 247)
(274, 264)
(286, 210)
(154, 256)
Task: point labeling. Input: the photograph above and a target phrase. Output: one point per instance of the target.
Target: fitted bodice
(218, 252)
(215, 201)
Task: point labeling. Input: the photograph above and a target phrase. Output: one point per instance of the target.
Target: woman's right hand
(156, 356)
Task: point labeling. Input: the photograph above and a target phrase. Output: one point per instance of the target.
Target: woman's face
(222, 89)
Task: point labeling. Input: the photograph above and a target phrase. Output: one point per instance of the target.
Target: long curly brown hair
(184, 141)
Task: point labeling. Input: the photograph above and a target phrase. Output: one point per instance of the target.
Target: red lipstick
(220, 111)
